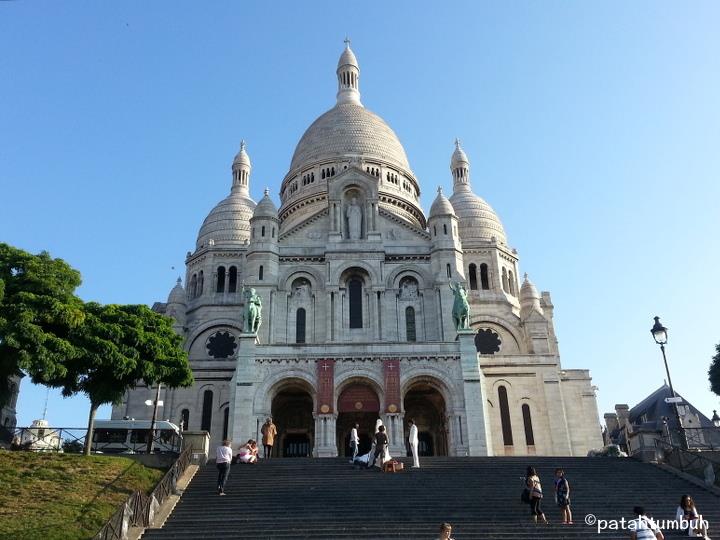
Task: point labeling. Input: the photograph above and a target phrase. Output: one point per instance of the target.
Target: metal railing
(694, 463)
(139, 509)
(702, 438)
(72, 440)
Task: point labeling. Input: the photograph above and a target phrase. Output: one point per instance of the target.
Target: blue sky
(593, 129)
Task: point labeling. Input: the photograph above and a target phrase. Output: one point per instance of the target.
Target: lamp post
(660, 334)
(157, 403)
(716, 419)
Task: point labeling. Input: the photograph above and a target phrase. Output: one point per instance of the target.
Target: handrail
(693, 463)
(139, 509)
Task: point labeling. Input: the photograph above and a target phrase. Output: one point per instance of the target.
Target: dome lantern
(241, 171)
(348, 73)
(460, 166)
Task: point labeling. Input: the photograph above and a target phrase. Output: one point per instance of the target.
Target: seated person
(246, 454)
(687, 512)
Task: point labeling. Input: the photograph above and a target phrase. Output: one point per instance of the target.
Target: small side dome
(528, 290)
(529, 298)
(477, 219)
(441, 206)
(265, 208)
(177, 294)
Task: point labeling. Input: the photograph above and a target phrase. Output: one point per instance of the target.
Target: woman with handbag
(532, 481)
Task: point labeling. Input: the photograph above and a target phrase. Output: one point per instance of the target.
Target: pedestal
(242, 392)
(478, 435)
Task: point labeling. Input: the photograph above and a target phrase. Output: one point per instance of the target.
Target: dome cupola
(477, 219)
(177, 294)
(228, 224)
(265, 208)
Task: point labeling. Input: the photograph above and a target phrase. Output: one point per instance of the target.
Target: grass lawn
(64, 496)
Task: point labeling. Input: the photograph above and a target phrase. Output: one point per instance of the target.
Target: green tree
(714, 371)
(120, 345)
(38, 311)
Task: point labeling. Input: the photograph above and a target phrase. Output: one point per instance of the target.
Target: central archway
(292, 412)
(357, 403)
(426, 406)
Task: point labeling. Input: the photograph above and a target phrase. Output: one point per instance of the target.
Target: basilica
(338, 308)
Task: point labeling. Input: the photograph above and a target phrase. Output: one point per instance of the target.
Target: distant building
(8, 414)
(357, 312)
(653, 417)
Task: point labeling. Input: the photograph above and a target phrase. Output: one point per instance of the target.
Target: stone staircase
(480, 497)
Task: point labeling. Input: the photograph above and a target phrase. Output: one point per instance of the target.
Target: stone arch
(482, 320)
(435, 380)
(361, 376)
(274, 383)
(291, 273)
(426, 400)
(394, 278)
(199, 330)
(371, 273)
(353, 178)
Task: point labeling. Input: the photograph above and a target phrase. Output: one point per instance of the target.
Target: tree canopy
(714, 371)
(60, 341)
(38, 310)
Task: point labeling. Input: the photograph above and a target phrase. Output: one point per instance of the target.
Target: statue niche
(353, 218)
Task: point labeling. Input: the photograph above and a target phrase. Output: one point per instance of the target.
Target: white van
(131, 437)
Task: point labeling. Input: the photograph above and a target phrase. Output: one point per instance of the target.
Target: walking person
(354, 441)
(644, 528)
(445, 531)
(269, 431)
(532, 481)
(562, 496)
(381, 444)
(413, 442)
(222, 462)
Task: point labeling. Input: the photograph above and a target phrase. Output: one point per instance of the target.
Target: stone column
(325, 434)
(242, 425)
(478, 433)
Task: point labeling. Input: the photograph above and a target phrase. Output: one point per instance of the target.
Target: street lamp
(660, 335)
(151, 433)
(716, 419)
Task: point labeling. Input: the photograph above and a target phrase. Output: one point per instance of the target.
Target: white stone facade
(356, 316)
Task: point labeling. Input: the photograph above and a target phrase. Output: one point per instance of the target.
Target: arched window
(300, 326)
(185, 419)
(201, 282)
(473, 277)
(511, 282)
(273, 232)
(448, 270)
(434, 230)
(322, 174)
(527, 420)
(505, 416)
(355, 297)
(260, 273)
(206, 420)
(262, 231)
(445, 228)
(226, 421)
(221, 279)
(232, 285)
(193, 286)
(484, 281)
(504, 280)
(410, 323)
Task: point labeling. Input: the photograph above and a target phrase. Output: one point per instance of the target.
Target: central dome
(349, 129)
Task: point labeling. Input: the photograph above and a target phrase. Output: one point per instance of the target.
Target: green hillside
(64, 497)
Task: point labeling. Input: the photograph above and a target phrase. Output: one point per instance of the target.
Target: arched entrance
(357, 403)
(292, 409)
(426, 406)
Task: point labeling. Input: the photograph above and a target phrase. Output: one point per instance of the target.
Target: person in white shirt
(222, 462)
(413, 441)
(354, 441)
(644, 528)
